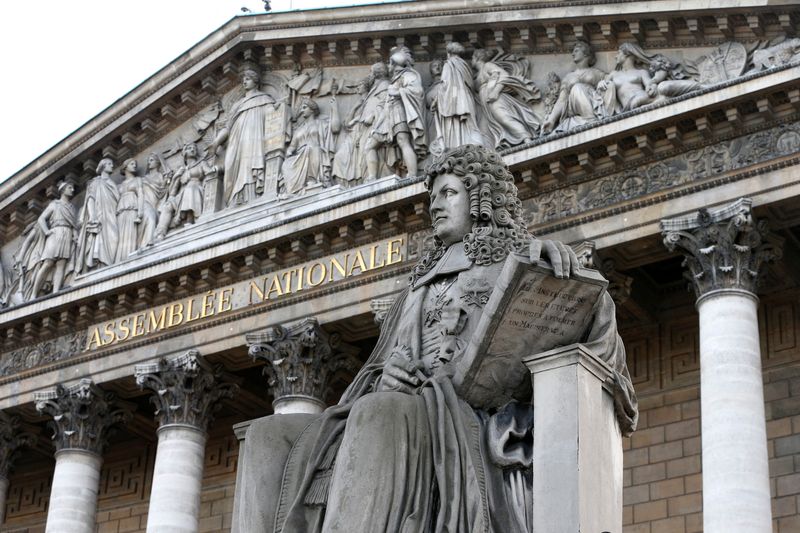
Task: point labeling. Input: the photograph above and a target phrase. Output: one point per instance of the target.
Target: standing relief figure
(431, 96)
(505, 95)
(350, 161)
(58, 224)
(402, 122)
(244, 135)
(453, 107)
(309, 155)
(155, 187)
(189, 177)
(130, 210)
(99, 235)
(577, 98)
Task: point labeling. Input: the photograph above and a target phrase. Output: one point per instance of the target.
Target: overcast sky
(64, 62)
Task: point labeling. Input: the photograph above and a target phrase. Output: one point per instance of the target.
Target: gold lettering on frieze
(269, 287)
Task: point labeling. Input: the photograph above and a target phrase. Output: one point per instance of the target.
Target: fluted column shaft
(724, 250)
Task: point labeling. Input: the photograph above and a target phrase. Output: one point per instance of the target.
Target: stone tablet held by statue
(529, 311)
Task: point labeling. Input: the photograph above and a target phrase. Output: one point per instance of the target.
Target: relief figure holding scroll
(405, 450)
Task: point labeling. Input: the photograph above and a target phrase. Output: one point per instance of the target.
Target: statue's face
(450, 209)
(69, 190)
(131, 166)
(191, 150)
(152, 162)
(578, 54)
(248, 83)
(108, 166)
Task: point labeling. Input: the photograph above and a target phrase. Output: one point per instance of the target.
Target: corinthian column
(301, 359)
(11, 440)
(187, 391)
(724, 250)
(82, 415)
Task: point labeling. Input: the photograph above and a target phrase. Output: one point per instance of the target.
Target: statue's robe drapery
(382, 461)
(581, 100)
(154, 189)
(244, 155)
(97, 243)
(313, 146)
(455, 117)
(509, 119)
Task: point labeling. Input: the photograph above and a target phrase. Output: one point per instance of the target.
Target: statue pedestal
(212, 195)
(577, 444)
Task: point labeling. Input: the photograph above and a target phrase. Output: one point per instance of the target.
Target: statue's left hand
(561, 257)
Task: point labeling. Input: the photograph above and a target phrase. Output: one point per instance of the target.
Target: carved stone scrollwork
(301, 359)
(11, 440)
(723, 248)
(82, 415)
(380, 308)
(187, 389)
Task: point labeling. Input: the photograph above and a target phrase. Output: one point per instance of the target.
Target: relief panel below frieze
(692, 166)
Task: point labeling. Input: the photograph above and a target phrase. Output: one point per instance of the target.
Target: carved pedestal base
(212, 195)
(577, 444)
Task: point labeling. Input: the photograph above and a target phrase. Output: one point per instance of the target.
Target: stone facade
(254, 203)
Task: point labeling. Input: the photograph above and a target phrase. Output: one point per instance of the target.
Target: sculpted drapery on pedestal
(401, 125)
(99, 234)
(403, 451)
(505, 95)
(309, 156)
(245, 134)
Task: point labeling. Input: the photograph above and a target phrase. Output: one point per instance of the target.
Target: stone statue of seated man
(402, 451)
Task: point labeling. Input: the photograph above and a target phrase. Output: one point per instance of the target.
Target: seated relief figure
(350, 162)
(401, 125)
(505, 96)
(99, 233)
(577, 99)
(639, 79)
(309, 155)
(244, 135)
(130, 210)
(403, 451)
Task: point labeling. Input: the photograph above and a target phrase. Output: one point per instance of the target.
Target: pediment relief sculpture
(284, 134)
